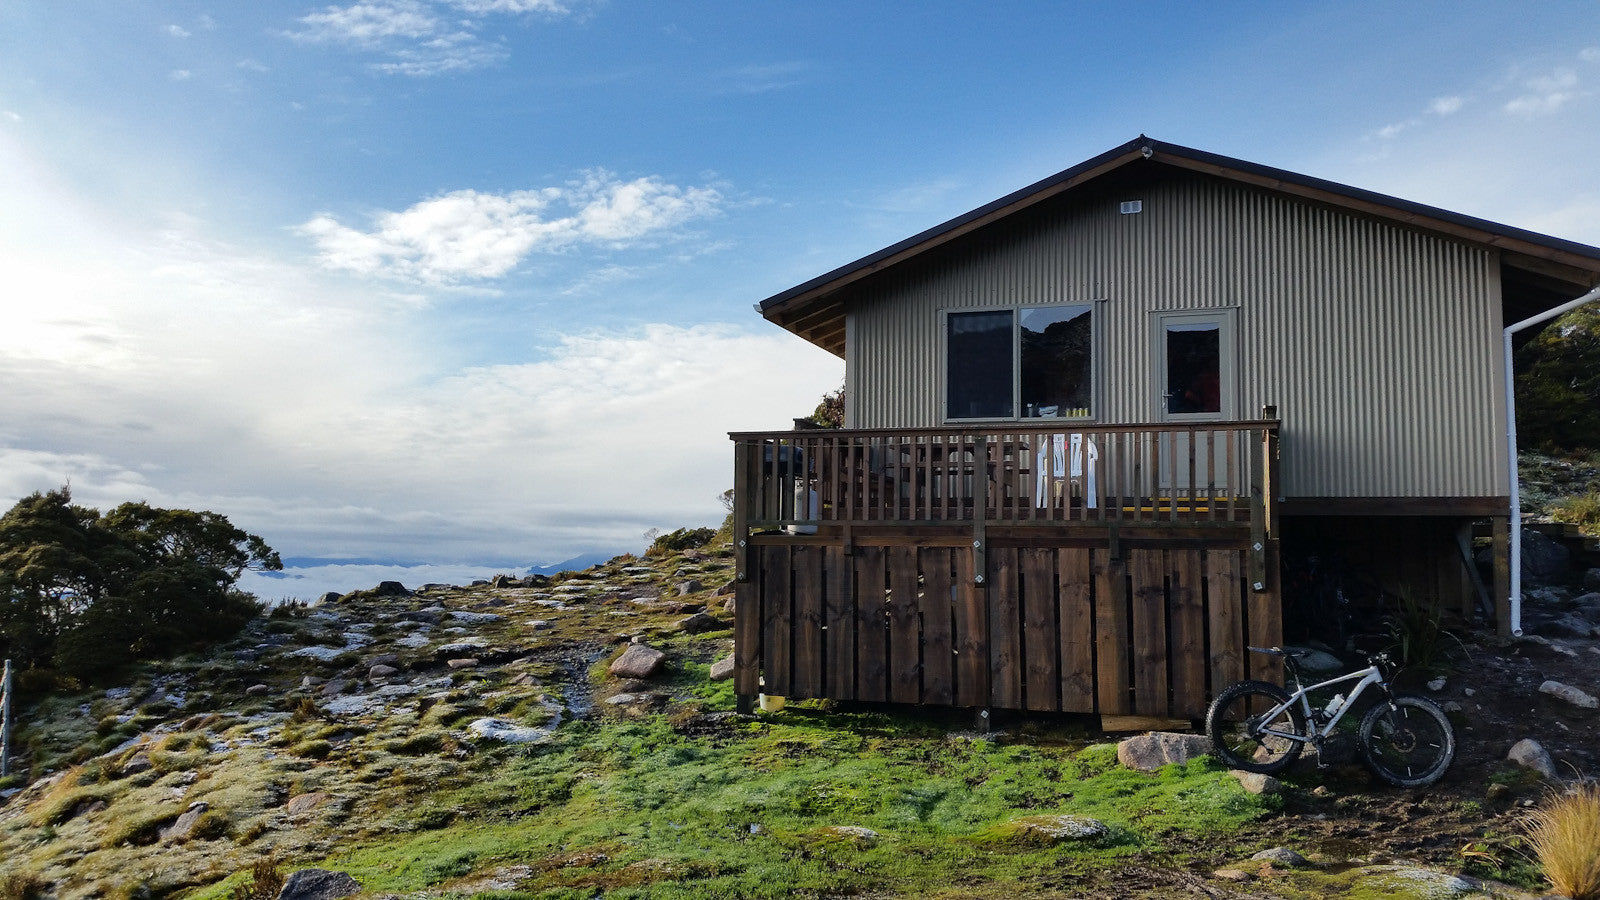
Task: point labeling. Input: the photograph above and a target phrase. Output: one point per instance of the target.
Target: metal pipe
(1511, 448)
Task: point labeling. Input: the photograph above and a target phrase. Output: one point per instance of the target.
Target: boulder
(467, 662)
(389, 589)
(256, 690)
(1149, 752)
(1569, 694)
(504, 581)
(1530, 754)
(1543, 558)
(318, 884)
(329, 597)
(1257, 783)
(638, 661)
(700, 623)
(301, 804)
(507, 732)
(1281, 856)
(1060, 828)
(139, 762)
(856, 834)
(179, 830)
(691, 586)
(1591, 580)
(1570, 625)
(722, 669)
(381, 671)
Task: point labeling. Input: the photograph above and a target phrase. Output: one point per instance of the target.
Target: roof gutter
(1511, 447)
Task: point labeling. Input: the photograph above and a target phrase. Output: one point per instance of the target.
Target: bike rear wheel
(1407, 741)
(1245, 737)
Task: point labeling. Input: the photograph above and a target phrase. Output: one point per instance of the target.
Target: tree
(830, 410)
(1558, 392)
(85, 593)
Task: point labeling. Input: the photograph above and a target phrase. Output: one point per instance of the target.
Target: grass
(1565, 836)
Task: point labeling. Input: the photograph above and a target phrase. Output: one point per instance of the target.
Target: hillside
(470, 742)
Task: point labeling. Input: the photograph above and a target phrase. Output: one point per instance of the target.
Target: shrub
(264, 882)
(1565, 834)
(1582, 510)
(682, 539)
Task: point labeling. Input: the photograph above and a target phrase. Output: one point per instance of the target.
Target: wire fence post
(5, 721)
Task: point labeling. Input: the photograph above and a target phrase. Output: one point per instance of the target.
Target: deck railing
(1183, 475)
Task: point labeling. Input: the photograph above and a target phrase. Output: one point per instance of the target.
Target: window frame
(1095, 311)
(1227, 321)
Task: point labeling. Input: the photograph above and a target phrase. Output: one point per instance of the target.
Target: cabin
(1086, 422)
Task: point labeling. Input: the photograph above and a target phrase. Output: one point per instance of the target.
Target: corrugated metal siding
(1379, 345)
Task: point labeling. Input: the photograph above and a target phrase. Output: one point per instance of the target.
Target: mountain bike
(1260, 727)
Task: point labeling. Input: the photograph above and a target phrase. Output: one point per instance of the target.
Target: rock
(504, 581)
(89, 808)
(390, 589)
(384, 659)
(425, 616)
(139, 762)
(692, 586)
(256, 690)
(303, 803)
(1281, 856)
(467, 662)
(1149, 752)
(179, 830)
(1530, 754)
(1569, 694)
(334, 688)
(1437, 684)
(722, 669)
(320, 654)
(1231, 875)
(380, 671)
(1497, 794)
(1543, 559)
(538, 624)
(460, 648)
(329, 597)
(856, 834)
(476, 618)
(1591, 580)
(507, 732)
(724, 591)
(638, 661)
(643, 698)
(1060, 828)
(1570, 625)
(700, 623)
(1257, 783)
(319, 884)
(1408, 881)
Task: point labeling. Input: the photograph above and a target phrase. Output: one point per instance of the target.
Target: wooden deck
(1111, 570)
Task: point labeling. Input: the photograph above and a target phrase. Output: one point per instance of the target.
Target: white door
(1196, 382)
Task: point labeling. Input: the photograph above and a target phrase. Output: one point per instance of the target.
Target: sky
(434, 289)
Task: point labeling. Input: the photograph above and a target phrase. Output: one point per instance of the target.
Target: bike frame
(1364, 679)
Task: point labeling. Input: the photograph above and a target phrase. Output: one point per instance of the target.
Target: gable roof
(815, 310)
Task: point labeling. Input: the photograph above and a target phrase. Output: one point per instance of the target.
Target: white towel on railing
(1041, 487)
(1091, 489)
(1058, 464)
(1077, 455)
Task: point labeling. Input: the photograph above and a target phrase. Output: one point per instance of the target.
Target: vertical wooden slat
(1111, 633)
(776, 596)
(872, 675)
(808, 658)
(938, 660)
(841, 618)
(1235, 477)
(747, 621)
(905, 643)
(971, 634)
(1188, 634)
(1040, 638)
(1265, 617)
(1076, 630)
(1005, 632)
(1224, 607)
(1149, 631)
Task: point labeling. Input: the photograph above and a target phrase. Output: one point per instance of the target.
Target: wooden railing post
(980, 509)
(741, 508)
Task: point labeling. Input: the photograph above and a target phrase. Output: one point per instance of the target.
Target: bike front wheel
(1246, 734)
(1407, 741)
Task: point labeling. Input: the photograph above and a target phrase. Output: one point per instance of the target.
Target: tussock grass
(1582, 510)
(1565, 836)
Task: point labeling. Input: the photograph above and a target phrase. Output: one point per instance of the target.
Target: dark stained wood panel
(938, 658)
(1040, 636)
(1148, 572)
(1005, 631)
(808, 656)
(905, 644)
(840, 615)
(971, 636)
(1074, 589)
(776, 599)
(1112, 633)
(747, 655)
(1188, 644)
(872, 635)
(1225, 609)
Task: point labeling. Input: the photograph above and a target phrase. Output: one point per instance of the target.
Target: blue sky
(467, 283)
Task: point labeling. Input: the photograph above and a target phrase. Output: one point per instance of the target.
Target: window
(1030, 362)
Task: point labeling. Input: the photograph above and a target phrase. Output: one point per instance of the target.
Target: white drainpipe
(1511, 447)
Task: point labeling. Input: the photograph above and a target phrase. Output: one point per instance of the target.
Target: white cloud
(1589, 54)
(469, 234)
(180, 74)
(177, 31)
(1446, 106)
(251, 65)
(415, 37)
(368, 24)
(1546, 94)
